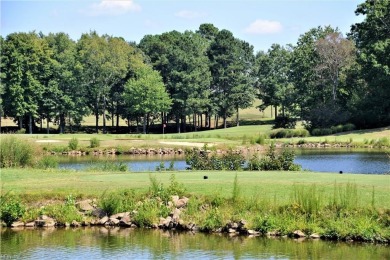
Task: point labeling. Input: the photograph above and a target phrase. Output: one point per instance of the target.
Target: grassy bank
(341, 207)
(277, 186)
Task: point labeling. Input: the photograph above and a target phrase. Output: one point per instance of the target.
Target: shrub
(11, 209)
(285, 122)
(316, 132)
(287, 133)
(326, 131)
(348, 127)
(48, 162)
(73, 143)
(17, 152)
(260, 139)
(94, 142)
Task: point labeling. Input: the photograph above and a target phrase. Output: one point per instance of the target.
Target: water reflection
(116, 243)
(321, 160)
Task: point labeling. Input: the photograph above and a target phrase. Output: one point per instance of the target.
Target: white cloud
(264, 27)
(113, 7)
(189, 14)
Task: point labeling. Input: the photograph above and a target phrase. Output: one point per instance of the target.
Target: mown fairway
(277, 187)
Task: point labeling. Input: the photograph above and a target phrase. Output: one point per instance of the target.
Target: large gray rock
(103, 220)
(85, 205)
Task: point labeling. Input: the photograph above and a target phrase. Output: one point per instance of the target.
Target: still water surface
(116, 243)
(323, 160)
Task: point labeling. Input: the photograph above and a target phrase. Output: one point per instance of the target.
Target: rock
(103, 220)
(253, 232)
(231, 230)
(99, 213)
(17, 224)
(180, 203)
(176, 214)
(175, 198)
(30, 224)
(45, 221)
(119, 215)
(315, 236)
(85, 205)
(273, 233)
(114, 221)
(298, 233)
(75, 224)
(167, 222)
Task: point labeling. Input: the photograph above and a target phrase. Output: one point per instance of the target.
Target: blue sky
(259, 22)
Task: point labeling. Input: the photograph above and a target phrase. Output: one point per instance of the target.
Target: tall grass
(17, 152)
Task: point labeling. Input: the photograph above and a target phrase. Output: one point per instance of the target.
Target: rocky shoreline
(173, 222)
(181, 151)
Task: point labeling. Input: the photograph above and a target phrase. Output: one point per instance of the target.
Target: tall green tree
(372, 38)
(26, 58)
(145, 94)
(105, 61)
(275, 87)
(231, 62)
(182, 61)
(63, 97)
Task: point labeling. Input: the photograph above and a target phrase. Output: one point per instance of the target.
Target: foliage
(288, 133)
(16, 152)
(94, 142)
(274, 162)
(73, 143)
(48, 162)
(372, 40)
(285, 122)
(332, 130)
(206, 160)
(11, 208)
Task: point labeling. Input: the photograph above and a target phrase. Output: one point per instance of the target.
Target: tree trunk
(97, 116)
(62, 123)
(276, 112)
(41, 124)
(144, 125)
(104, 115)
(117, 122)
(178, 124)
(201, 121)
(47, 126)
(20, 122)
(224, 120)
(238, 116)
(195, 122)
(30, 131)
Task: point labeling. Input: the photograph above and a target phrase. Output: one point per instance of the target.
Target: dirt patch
(48, 141)
(186, 144)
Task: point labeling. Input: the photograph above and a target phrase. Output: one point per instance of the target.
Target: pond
(320, 160)
(117, 243)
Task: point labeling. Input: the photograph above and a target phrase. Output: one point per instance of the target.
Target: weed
(48, 162)
(73, 143)
(236, 190)
(94, 142)
(16, 152)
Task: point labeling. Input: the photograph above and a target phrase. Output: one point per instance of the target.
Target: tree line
(190, 78)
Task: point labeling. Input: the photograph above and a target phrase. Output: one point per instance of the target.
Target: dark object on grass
(205, 177)
(341, 172)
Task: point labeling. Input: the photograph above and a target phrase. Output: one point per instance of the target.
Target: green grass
(279, 186)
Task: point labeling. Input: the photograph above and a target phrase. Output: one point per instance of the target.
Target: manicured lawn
(34, 184)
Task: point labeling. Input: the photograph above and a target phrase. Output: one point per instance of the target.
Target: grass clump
(73, 143)
(108, 166)
(48, 162)
(16, 152)
(94, 142)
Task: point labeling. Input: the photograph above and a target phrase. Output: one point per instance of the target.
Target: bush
(274, 162)
(48, 162)
(288, 133)
(94, 142)
(73, 143)
(109, 167)
(16, 152)
(348, 127)
(11, 209)
(285, 122)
